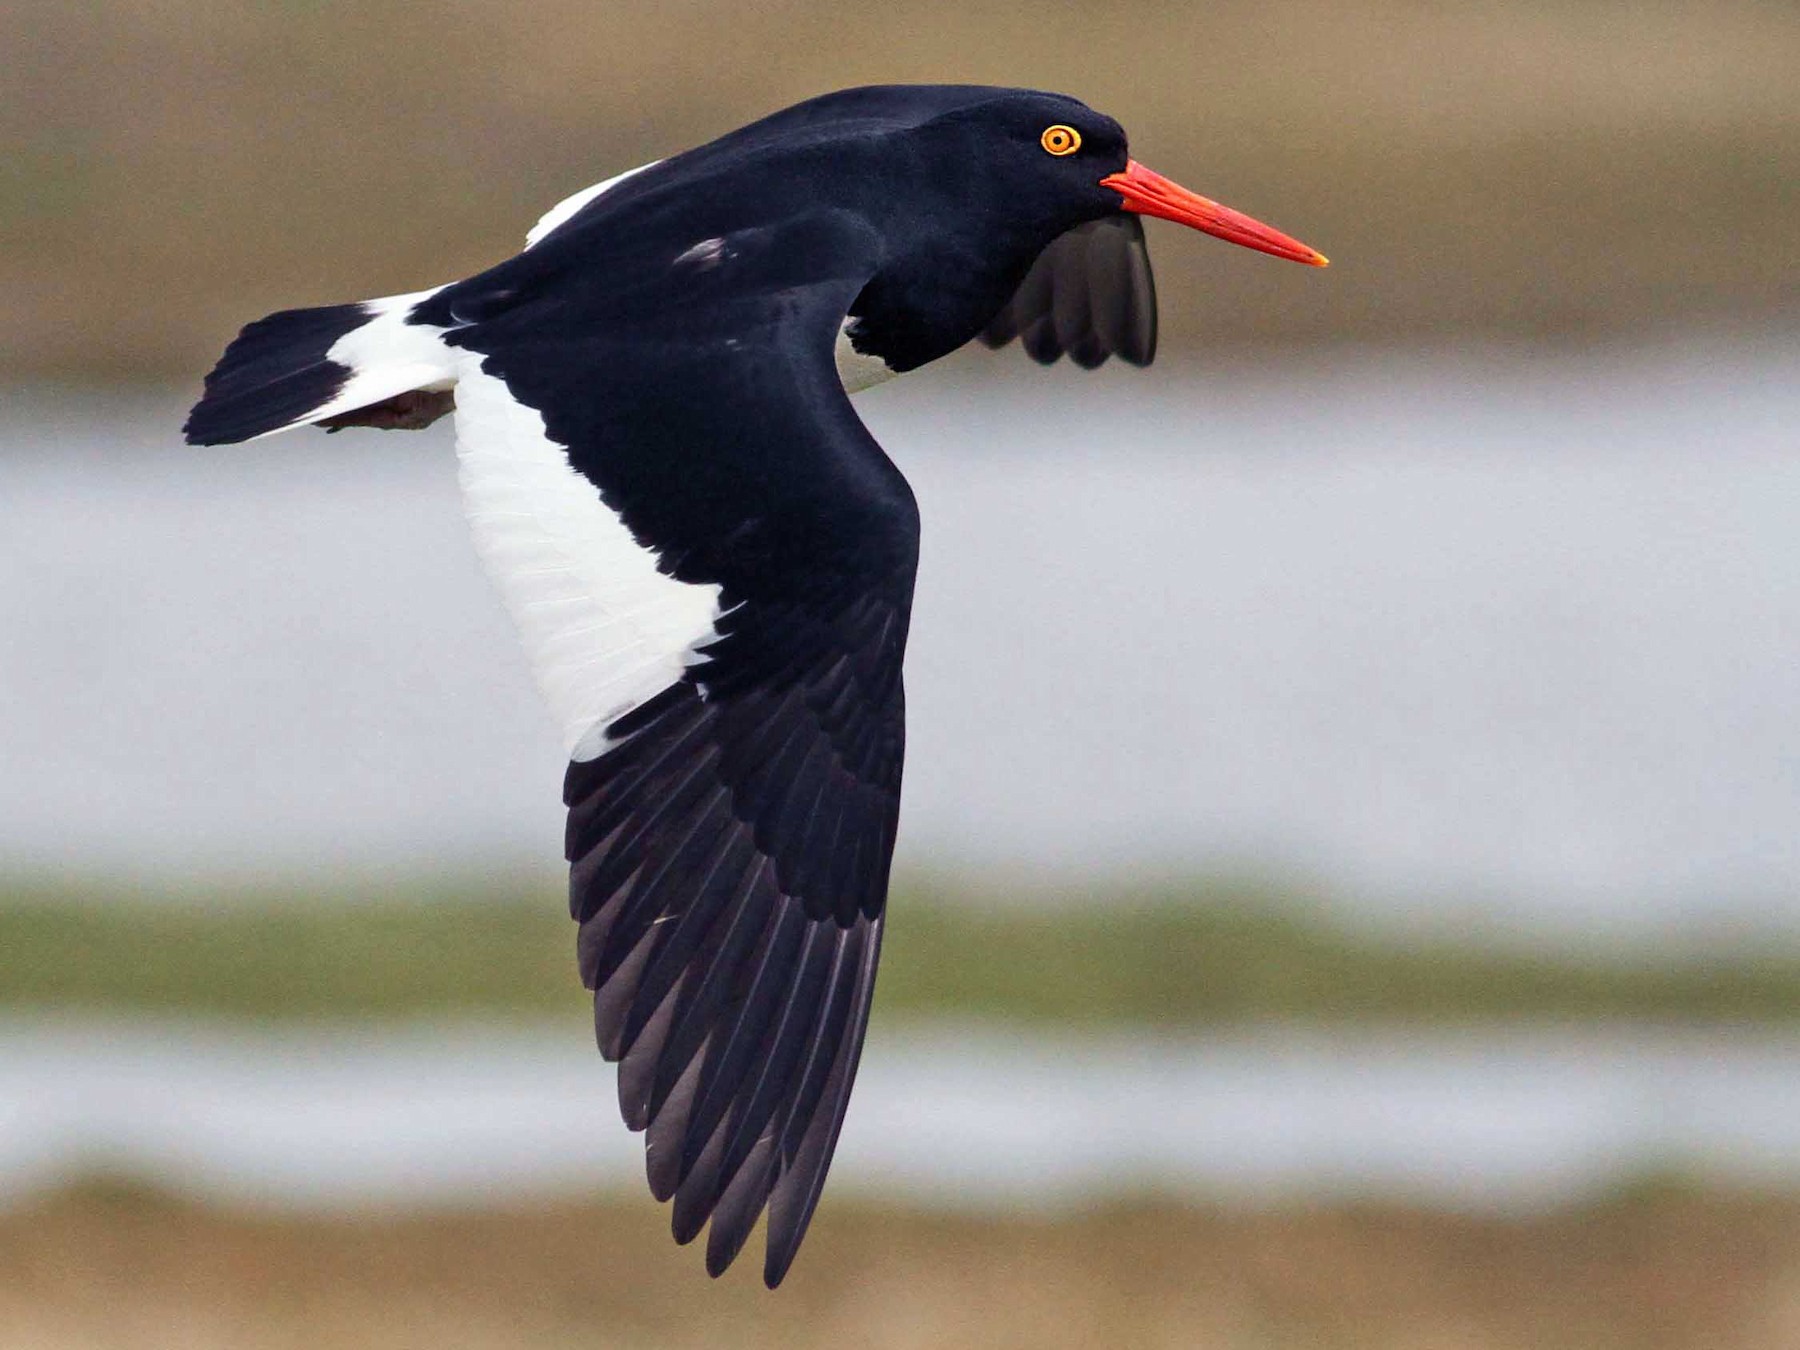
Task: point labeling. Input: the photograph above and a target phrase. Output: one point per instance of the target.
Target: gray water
(1498, 1119)
(1508, 636)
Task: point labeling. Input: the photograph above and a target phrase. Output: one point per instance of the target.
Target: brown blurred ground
(1652, 1272)
(174, 167)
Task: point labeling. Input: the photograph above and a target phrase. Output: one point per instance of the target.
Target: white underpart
(856, 369)
(385, 357)
(568, 206)
(605, 630)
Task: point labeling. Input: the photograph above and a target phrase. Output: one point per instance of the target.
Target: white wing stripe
(568, 206)
(605, 630)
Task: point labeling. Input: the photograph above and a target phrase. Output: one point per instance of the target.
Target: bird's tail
(366, 364)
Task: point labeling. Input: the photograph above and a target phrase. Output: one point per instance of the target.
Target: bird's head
(1050, 161)
(970, 186)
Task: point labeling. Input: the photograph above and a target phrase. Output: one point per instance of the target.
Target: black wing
(1090, 294)
(729, 847)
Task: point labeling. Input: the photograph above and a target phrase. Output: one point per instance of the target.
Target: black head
(968, 185)
(1026, 163)
(1011, 166)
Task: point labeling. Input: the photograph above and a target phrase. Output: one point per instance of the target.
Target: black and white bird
(711, 560)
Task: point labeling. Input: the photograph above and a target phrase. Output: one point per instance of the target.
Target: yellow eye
(1060, 140)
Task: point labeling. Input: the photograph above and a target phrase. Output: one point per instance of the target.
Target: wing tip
(1090, 295)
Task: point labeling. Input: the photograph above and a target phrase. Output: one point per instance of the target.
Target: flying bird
(711, 561)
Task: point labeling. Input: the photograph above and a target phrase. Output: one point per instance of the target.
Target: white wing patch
(605, 630)
(568, 206)
(706, 253)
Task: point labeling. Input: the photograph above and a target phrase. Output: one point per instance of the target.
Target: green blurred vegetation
(1183, 957)
(176, 167)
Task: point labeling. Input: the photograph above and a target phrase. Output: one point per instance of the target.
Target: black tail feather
(273, 374)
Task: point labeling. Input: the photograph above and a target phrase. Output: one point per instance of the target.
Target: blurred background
(1348, 891)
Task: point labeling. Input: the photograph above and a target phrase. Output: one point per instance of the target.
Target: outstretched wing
(1090, 294)
(712, 564)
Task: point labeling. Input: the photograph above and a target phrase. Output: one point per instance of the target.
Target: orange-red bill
(1148, 193)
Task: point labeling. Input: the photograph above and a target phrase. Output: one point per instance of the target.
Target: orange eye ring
(1060, 140)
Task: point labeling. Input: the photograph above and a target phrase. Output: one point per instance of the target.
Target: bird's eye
(1060, 140)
